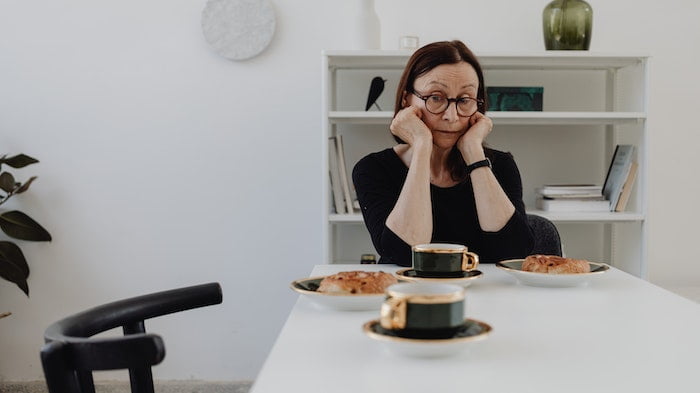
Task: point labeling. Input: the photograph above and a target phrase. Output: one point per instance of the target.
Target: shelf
(558, 60)
(360, 117)
(344, 218)
(545, 60)
(507, 118)
(592, 217)
(559, 118)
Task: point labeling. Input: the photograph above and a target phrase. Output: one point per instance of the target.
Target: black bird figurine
(375, 90)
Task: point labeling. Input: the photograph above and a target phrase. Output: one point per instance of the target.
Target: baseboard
(123, 387)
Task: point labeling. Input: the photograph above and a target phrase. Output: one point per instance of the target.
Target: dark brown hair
(424, 60)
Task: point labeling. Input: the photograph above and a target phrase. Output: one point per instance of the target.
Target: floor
(123, 387)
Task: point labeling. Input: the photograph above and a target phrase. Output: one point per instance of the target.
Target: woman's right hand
(409, 126)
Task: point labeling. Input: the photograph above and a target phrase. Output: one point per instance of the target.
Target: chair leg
(59, 377)
(87, 384)
(141, 378)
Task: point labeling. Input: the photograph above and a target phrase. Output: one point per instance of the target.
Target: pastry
(554, 264)
(357, 282)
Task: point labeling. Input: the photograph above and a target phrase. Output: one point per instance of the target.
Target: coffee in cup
(443, 260)
(423, 310)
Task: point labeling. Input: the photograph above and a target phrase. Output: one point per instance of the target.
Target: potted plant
(17, 225)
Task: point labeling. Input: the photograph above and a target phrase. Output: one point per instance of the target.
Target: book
(627, 188)
(344, 175)
(570, 191)
(617, 173)
(334, 172)
(574, 196)
(571, 187)
(573, 205)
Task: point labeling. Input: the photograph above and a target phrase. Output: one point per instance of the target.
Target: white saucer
(471, 331)
(355, 302)
(467, 278)
(513, 267)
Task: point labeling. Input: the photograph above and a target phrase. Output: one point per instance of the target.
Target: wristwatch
(478, 164)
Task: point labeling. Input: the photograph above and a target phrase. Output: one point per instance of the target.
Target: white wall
(163, 165)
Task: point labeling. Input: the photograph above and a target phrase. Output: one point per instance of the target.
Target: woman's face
(449, 81)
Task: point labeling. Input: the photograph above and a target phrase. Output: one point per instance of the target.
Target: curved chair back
(547, 240)
(71, 354)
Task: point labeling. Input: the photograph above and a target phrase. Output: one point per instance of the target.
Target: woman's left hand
(479, 128)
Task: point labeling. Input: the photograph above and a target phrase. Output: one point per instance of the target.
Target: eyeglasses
(437, 104)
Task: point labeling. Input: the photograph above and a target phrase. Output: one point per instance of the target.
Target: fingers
(481, 121)
(408, 125)
(406, 116)
(411, 110)
(417, 111)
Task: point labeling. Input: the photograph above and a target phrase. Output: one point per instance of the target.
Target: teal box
(527, 99)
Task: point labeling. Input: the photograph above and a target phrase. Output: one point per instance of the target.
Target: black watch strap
(478, 164)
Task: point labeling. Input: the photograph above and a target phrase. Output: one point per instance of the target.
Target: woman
(440, 184)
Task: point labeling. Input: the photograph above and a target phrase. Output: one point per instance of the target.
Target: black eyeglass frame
(479, 103)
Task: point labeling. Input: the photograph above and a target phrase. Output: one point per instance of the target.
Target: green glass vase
(567, 25)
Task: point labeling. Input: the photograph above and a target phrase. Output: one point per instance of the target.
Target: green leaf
(19, 161)
(7, 182)
(24, 187)
(20, 226)
(13, 266)
(11, 252)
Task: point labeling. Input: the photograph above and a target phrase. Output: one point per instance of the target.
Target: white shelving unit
(511, 118)
(592, 101)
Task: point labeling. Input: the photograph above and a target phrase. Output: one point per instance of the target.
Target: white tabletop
(617, 334)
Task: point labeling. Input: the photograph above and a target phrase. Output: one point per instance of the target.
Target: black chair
(71, 354)
(547, 240)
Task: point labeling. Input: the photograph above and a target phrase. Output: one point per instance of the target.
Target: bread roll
(554, 264)
(357, 282)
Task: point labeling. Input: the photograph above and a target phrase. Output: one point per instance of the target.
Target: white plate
(513, 266)
(468, 278)
(356, 302)
(471, 331)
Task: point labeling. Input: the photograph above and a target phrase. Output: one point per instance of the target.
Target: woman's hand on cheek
(479, 128)
(409, 126)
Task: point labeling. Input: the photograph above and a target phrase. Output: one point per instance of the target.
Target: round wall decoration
(238, 29)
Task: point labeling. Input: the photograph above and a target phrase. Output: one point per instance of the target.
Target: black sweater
(378, 180)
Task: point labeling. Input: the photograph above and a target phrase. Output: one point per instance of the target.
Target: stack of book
(572, 197)
(612, 196)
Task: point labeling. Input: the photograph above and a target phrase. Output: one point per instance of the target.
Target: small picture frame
(512, 98)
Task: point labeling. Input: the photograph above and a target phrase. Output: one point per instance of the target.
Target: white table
(618, 334)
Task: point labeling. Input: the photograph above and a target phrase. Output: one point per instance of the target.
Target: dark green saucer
(469, 328)
(411, 273)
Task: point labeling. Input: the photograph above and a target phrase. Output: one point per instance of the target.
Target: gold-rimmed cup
(423, 310)
(443, 260)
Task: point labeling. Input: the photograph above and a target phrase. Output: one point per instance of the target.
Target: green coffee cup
(423, 310)
(443, 260)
